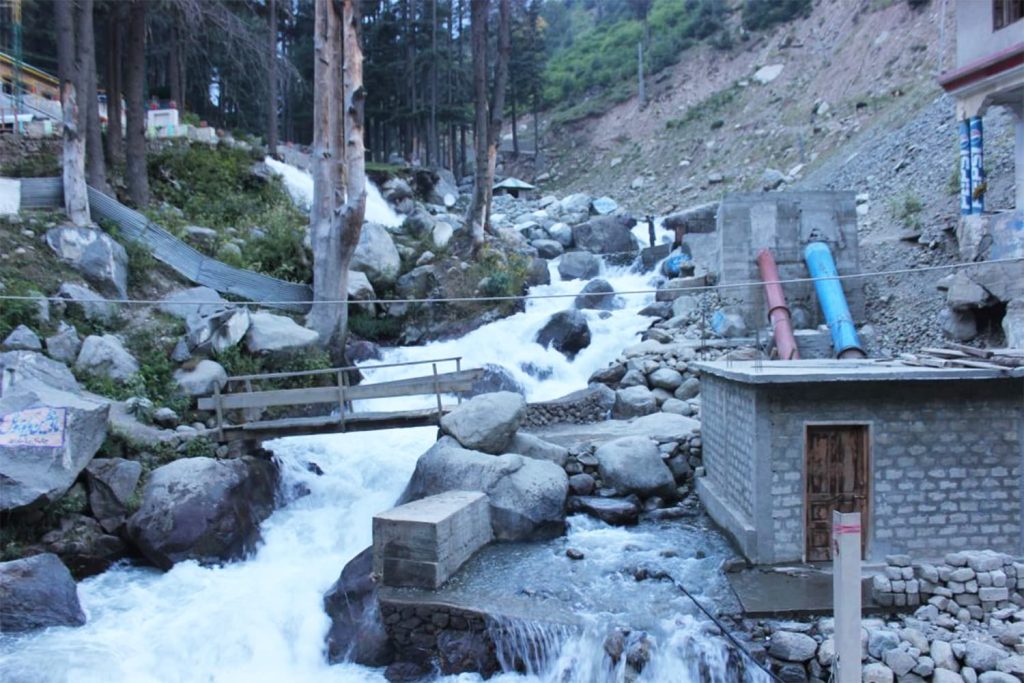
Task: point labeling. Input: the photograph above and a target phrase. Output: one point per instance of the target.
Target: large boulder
(83, 545)
(203, 509)
(1013, 324)
(217, 330)
(359, 287)
(357, 633)
(605, 235)
(579, 265)
(65, 344)
(575, 203)
(495, 378)
(486, 422)
(633, 464)
(538, 274)
(192, 301)
(596, 294)
(105, 356)
(269, 332)
(93, 253)
(634, 401)
(615, 511)
(534, 447)
(22, 339)
(548, 249)
(376, 255)
(37, 592)
(417, 283)
(567, 331)
(201, 380)
(24, 366)
(527, 496)
(47, 437)
(112, 483)
(89, 303)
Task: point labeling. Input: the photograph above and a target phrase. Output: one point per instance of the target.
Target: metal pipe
(778, 312)
(832, 300)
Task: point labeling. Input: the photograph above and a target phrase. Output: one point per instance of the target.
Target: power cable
(518, 297)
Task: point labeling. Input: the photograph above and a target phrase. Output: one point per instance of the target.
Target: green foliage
(199, 447)
(154, 380)
(907, 210)
(706, 108)
(42, 164)
(280, 252)
(762, 14)
(141, 262)
(14, 312)
(383, 329)
(238, 362)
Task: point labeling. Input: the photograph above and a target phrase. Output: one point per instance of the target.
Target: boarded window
(1006, 12)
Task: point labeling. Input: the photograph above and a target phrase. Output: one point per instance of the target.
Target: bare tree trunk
(96, 171)
(476, 214)
(76, 195)
(272, 80)
(174, 66)
(115, 144)
(497, 105)
(515, 124)
(433, 142)
(135, 52)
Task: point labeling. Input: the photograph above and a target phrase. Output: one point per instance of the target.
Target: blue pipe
(832, 300)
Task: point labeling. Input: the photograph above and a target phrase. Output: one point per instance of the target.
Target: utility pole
(846, 595)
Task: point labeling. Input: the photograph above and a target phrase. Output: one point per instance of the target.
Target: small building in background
(930, 457)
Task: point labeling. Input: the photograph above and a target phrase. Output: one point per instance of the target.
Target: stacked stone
(580, 407)
(971, 585)
(897, 586)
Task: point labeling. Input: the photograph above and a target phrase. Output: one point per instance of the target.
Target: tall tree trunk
(476, 214)
(174, 66)
(515, 123)
(135, 52)
(497, 105)
(115, 143)
(76, 195)
(339, 202)
(96, 171)
(272, 80)
(433, 143)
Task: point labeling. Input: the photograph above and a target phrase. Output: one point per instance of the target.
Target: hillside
(843, 99)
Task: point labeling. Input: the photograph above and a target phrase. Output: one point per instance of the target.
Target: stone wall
(945, 462)
(580, 407)
(786, 222)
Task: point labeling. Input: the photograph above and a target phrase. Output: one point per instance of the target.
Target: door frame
(866, 520)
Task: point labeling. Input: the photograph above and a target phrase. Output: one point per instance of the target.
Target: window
(1005, 12)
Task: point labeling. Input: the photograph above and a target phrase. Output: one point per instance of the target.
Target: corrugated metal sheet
(38, 193)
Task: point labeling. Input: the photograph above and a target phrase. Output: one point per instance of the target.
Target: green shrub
(762, 14)
(14, 312)
(384, 329)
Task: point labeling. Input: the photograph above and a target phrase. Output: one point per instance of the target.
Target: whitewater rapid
(262, 619)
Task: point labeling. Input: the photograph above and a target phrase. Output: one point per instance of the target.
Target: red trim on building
(1001, 61)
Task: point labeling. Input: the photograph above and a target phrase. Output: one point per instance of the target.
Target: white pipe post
(846, 595)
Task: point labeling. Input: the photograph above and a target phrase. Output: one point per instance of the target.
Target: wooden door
(837, 479)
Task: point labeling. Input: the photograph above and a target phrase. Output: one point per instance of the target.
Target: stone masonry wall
(729, 437)
(945, 463)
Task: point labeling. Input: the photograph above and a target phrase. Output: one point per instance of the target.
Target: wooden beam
(358, 422)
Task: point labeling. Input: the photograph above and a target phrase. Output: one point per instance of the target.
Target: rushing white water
(300, 187)
(262, 619)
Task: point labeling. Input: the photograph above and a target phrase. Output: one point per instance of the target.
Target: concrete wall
(975, 37)
(945, 463)
(786, 222)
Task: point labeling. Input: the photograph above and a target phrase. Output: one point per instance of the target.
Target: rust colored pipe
(778, 312)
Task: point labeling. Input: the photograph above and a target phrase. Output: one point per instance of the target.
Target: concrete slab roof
(805, 371)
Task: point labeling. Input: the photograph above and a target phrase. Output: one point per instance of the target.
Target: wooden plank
(981, 365)
(969, 350)
(449, 382)
(354, 422)
(943, 353)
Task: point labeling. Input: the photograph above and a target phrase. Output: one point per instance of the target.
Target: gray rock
(1013, 324)
(88, 302)
(792, 647)
(539, 274)
(18, 367)
(946, 676)
(633, 378)
(67, 431)
(728, 324)
(112, 483)
(180, 353)
(417, 283)
(83, 546)
(983, 657)
(1014, 664)
(165, 417)
(997, 677)
(880, 640)
(634, 465)
(609, 375)
(941, 653)
(614, 511)
(487, 422)
(192, 301)
(442, 233)
(567, 331)
(579, 265)
(596, 294)
(634, 402)
(964, 293)
(217, 330)
(269, 332)
(65, 344)
(690, 388)
(958, 325)
(603, 206)
(581, 484)
(203, 509)
(93, 253)
(665, 378)
(494, 378)
(376, 255)
(548, 249)
(201, 236)
(685, 306)
(359, 287)
(37, 592)
(201, 380)
(677, 407)
(561, 233)
(22, 339)
(527, 496)
(575, 203)
(105, 356)
(605, 235)
(357, 633)
(876, 672)
(772, 179)
(535, 447)
(900, 661)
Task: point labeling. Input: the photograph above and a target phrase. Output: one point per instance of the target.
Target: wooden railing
(339, 393)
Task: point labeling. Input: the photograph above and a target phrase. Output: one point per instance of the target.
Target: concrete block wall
(786, 222)
(945, 464)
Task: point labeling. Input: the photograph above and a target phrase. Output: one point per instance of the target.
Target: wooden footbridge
(240, 396)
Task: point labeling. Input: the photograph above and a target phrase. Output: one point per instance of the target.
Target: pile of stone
(897, 585)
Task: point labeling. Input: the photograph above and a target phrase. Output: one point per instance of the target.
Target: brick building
(930, 457)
